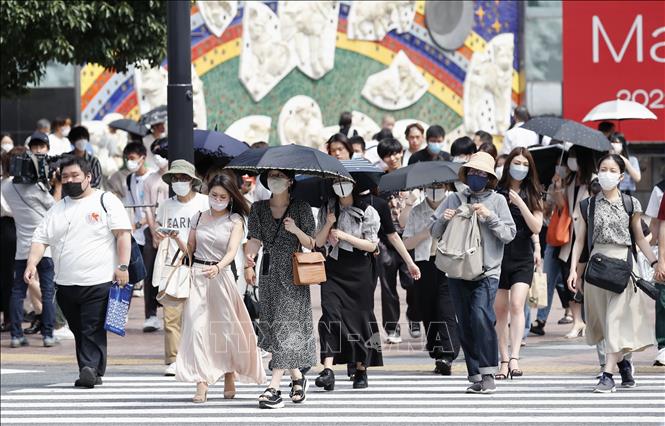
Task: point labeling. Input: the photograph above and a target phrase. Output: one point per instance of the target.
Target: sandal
(298, 395)
(501, 376)
(515, 372)
(271, 398)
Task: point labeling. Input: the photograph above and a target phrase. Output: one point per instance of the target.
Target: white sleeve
(507, 144)
(42, 234)
(654, 203)
(117, 215)
(159, 212)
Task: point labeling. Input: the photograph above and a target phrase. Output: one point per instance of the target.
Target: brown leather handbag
(309, 268)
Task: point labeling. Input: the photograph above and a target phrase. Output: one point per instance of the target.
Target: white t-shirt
(654, 202)
(136, 196)
(174, 214)
(518, 137)
(79, 234)
(58, 146)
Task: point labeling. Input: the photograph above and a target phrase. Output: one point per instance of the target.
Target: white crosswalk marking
(390, 399)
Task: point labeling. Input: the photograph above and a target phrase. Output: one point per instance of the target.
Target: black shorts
(516, 272)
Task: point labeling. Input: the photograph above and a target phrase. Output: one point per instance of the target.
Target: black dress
(517, 265)
(348, 329)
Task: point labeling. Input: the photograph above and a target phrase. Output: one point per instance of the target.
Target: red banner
(615, 49)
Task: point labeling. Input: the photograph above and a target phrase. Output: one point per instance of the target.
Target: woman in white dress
(218, 339)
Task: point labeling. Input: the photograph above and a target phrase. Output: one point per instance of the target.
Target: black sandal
(302, 392)
(271, 398)
(501, 376)
(516, 372)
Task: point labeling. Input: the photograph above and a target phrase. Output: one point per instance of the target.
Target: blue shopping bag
(118, 308)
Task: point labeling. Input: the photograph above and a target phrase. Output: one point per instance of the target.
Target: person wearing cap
(80, 138)
(175, 213)
(474, 299)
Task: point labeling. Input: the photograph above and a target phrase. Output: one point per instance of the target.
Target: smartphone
(165, 230)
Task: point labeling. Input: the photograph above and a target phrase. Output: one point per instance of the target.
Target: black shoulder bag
(603, 271)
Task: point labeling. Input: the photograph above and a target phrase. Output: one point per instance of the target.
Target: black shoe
(301, 393)
(414, 329)
(98, 381)
(351, 370)
(271, 398)
(4, 327)
(87, 378)
(35, 327)
(443, 367)
(360, 379)
(626, 371)
(29, 316)
(538, 328)
(326, 379)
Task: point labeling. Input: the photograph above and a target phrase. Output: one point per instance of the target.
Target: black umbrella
(154, 116)
(129, 126)
(295, 158)
(419, 175)
(366, 174)
(568, 131)
(217, 144)
(545, 159)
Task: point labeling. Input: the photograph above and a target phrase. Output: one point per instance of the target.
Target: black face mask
(72, 189)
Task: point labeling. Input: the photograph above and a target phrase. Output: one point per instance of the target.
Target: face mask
(65, 131)
(161, 162)
(617, 148)
(476, 183)
(181, 188)
(132, 165)
(343, 189)
(435, 194)
(72, 189)
(6, 147)
(572, 164)
(357, 155)
(460, 159)
(499, 172)
(278, 185)
(434, 147)
(218, 205)
(518, 172)
(608, 180)
(81, 144)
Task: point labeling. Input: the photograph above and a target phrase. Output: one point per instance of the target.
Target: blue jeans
(19, 289)
(474, 306)
(552, 267)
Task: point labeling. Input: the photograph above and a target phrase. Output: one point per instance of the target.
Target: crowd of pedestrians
(73, 233)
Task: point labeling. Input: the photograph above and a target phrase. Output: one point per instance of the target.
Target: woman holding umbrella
(282, 226)
(348, 228)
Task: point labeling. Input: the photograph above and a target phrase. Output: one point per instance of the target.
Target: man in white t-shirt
(88, 232)
(135, 156)
(518, 137)
(176, 213)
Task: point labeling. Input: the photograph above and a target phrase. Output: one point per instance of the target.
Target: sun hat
(182, 167)
(480, 161)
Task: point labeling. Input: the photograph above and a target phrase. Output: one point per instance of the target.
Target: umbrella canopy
(545, 159)
(155, 115)
(420, 175)
(568, 131)
(619, 110)
(217, 144)
(366, 174)
(296, 158)
(129, 126)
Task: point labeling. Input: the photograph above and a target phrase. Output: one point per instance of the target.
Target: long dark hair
(238, 203)
(617, 137)
(340, 138)
(586, 165)
(530, 184)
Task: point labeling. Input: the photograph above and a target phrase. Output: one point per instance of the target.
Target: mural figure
(151, 86)
(200, 113)
(253, 128)
(217, 15)
(397, 87)
(372, 20)
(300, 122)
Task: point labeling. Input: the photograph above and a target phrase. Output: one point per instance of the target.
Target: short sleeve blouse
(611, 222)
(213, 234)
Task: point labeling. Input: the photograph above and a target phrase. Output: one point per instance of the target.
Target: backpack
(459, 253)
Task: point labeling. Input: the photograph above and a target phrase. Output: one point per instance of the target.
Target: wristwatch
(122, 267)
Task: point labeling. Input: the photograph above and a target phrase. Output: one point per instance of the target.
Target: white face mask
(617, 148)
(357, 155)
(460, 159)
(6, 147)
(608, 180)
(217, 205)
(181, 188)
(161, 162)
(278, 185)
(65, 130)
(572, 164)
(343, 189)
(499, 172)
(518, 171)
(132, 165)
(435, 194)
(81, 144)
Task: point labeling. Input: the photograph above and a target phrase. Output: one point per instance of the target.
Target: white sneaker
(152, 324)
(137, 293)
(170, 370)
(660, 358)
(63, 333)
(394, 337)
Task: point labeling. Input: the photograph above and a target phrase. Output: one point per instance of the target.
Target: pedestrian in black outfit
(348, 228)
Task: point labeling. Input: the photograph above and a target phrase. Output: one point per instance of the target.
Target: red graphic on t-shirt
(93, 218)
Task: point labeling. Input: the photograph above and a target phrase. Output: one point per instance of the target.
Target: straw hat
(480, 161)
(182, 167)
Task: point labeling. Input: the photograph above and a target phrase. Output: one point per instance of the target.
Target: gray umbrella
(568, 131)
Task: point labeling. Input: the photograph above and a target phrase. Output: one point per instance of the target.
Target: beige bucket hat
(182, 167)
(480, 161)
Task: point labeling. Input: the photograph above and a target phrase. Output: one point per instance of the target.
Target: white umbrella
(619, 110)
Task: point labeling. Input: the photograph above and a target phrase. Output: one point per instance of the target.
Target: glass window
(57, 75)
(543, 41)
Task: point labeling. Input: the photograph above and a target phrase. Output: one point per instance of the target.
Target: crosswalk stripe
(424, 376)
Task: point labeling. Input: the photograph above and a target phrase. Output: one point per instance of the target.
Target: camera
(32, 168)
